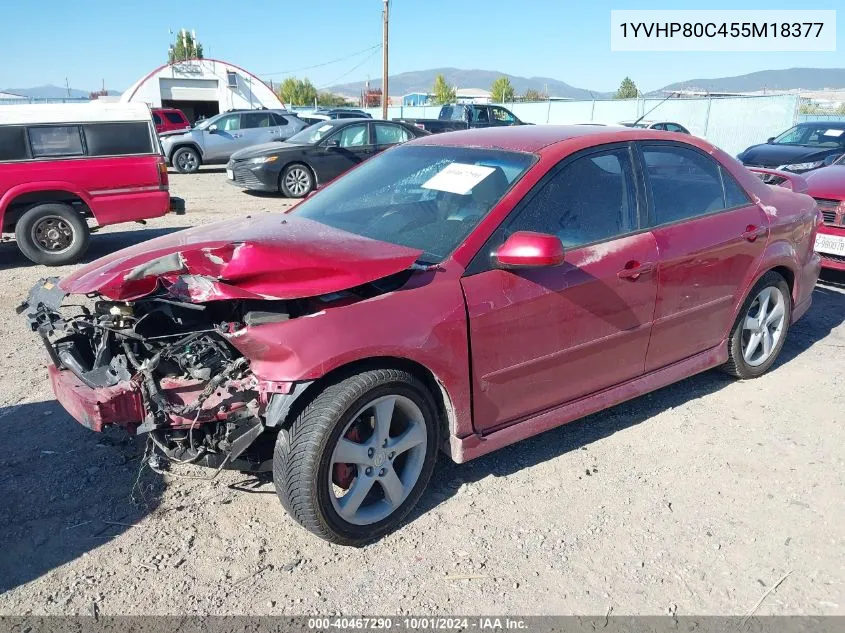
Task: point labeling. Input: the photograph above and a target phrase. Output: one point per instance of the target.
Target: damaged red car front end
(156, 344)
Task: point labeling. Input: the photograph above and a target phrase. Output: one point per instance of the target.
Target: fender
(779, 253)
(35, 187)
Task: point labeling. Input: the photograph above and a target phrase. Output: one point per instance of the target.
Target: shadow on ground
(101, 244)
(64, 490)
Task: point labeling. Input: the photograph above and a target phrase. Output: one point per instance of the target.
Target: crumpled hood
(775, 154)
(271, 257)
(263, 149)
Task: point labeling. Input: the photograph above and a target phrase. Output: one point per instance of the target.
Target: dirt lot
(696, 499)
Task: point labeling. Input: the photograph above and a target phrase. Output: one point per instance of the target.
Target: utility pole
(384, 63)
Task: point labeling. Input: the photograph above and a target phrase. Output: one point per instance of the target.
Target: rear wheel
(760, 330)
(52, 234)
(186, 160)
(297, 181)
(358, 457)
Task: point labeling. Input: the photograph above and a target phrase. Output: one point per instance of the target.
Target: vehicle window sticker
(833, 132)
(458, 178)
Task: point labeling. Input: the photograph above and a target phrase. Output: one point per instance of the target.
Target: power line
(351, 70)
(333, 61)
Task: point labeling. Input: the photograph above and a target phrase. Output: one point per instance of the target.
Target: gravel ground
(695, 499)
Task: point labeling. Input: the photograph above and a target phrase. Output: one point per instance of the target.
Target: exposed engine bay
(164, 366)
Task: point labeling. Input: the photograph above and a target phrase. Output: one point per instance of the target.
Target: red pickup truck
(64, 165)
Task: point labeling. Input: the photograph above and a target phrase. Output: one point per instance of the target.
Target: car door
(711, 238)
(542, 337)
(222, 138)
(387, 135)
(343, 150)
(256, 128)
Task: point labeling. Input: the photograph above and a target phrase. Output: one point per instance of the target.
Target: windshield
(428, 198)
(818, 135)
(312, 134)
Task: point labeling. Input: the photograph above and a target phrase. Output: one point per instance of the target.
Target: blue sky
(86, 41)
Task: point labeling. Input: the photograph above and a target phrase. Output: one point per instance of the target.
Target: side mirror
(212, 129)
(770, 139)
(526, 249)
(332, 143)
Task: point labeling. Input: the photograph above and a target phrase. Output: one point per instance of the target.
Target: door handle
(752, 232)
(237, 135)
(633, 269)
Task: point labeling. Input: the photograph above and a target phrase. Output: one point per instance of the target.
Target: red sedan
(458, 293)
(827, 186)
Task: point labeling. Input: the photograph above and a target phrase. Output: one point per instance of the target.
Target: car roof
(91, 112)
(532, 138)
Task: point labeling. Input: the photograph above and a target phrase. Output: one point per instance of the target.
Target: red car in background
(459, 292)
(170, 120)
(827, 186)
(65, 164)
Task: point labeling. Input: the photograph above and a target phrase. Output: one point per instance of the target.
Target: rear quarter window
(55, 141)
(116, 139)
(13, 143)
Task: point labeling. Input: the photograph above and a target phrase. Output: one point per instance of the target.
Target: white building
(473, 95)
(202, 87)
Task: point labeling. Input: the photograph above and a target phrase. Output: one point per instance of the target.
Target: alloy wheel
(297, 181)
(763, 326)
(377, 460)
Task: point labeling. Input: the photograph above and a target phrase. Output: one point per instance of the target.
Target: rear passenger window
(255, 119)
(174, 117)
(591, 199)
(55, 140)
(684, 183)
(12, 143)
(116, 139)
(735, 195)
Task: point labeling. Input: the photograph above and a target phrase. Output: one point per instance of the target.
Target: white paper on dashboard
(458, 178)
(833, 133)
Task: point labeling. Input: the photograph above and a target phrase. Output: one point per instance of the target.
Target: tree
(295, 91)
(187, 46)
(330, 99)
(627, 90)
(502, 90)
(443, 93)
(534, 95)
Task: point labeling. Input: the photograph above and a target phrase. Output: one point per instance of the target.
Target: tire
(186, 160)
(308, 474)
(52, 234)
(296, 181)
(744, 362)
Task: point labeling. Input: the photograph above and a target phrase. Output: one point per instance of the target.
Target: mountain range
(422, 81)
(49, 91)
(780, 80)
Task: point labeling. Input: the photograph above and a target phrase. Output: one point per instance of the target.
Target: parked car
(827, 186)
(666, 126)
(344, 113)
(314, 156)
(465, 116)
(212, 141)
(459, 293)
(170, 120)
(801, 148)
(311, 118)
(65, 164)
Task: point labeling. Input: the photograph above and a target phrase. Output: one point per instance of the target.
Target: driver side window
(353, 136)
(501, 115)
(229, 123)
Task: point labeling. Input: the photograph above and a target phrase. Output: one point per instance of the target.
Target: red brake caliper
(343, 474)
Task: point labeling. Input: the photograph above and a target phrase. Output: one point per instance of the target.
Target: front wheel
(760, 330)
(356, 460)
(52, 234)
(297, 181)
(186, 160)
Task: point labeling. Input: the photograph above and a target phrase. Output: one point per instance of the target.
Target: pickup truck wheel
(186, 160)
(760, 330)
(357, 458)
(52, 234)
(296, 181)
